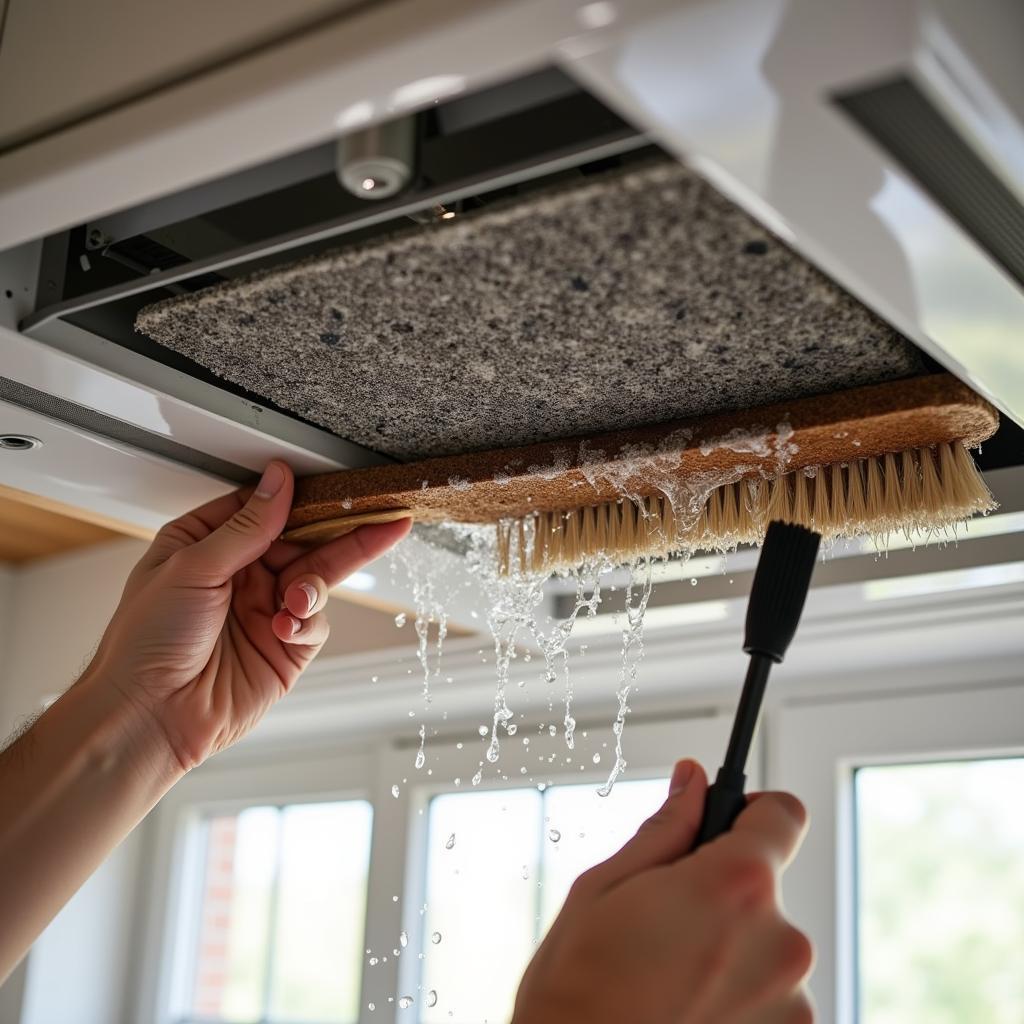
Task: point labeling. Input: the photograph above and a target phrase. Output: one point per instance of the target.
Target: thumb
(665, 836)
(247, 534)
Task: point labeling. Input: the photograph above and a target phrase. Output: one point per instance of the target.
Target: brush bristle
(925, 490)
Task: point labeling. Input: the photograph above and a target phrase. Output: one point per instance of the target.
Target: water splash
(638, 593)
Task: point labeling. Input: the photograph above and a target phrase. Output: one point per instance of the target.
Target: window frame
(399, 836)
(817, 747)
(651, 747)
(175, 848)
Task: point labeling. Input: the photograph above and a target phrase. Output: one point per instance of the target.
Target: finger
(312, 632)
(772, 959)
(245, 535)
(775, 823)
(305, 595)
(795, 1009)
(334, 561)
(664, 837)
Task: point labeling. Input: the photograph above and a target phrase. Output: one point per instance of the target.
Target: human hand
(220, 617)
(658, 934)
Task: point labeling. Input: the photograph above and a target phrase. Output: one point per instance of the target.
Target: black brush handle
(725, 797)
(722, 806)
(777, 596)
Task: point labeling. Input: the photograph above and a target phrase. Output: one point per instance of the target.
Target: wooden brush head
(682, 457)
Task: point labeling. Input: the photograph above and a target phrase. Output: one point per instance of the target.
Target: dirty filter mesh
(634, 298)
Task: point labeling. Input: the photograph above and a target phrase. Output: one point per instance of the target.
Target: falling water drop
(449, 843)
(596, 759)
(421, 756)
(431, 998)
(405, 1002)
(395, 791)
(483, 730)
(693, 582)
(403, 939)
(554, 835)
(435, 938)
(400, 619)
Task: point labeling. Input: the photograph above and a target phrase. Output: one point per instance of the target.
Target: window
(909, 879)
(279, 928)
(940, 887)
(499, 865)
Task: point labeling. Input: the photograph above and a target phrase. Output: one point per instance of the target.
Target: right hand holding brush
(658, 934)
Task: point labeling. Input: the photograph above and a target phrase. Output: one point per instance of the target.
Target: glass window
(281, 921)
(940, 892)
(499, 866)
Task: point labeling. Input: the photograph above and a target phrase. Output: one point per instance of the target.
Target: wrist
(122, 732)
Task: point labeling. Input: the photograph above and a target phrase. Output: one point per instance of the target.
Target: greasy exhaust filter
(634, 297)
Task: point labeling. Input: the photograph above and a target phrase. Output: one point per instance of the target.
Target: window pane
(321, 905)
(231, 954)
(480, 903)
(590, 829)
(282, 915)
(489, 916)
(940, 855)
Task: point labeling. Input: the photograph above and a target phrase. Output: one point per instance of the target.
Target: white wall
(51, 615)
(62, 606)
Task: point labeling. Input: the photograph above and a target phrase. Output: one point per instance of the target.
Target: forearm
(71, 789)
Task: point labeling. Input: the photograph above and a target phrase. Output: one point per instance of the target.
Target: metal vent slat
(905, 122)
(115, 430)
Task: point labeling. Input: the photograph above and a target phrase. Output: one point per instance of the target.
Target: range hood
(853, 135)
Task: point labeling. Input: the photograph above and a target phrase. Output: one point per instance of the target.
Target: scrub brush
(872, 460)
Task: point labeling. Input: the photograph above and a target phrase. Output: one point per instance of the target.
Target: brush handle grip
(725, 799)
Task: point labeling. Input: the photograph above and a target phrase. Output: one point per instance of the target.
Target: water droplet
(394, 899)
(400, 619)
(395, 791)
(512, 729)
(371, 1007)
(403, 939)
(374, 961)
(431, 998)
(554, 835)
(374, 679)
(449, 843)
(693, 582)
(552, 730)
(421, 756)
(483, 730)
(477, 778)
(435, 938)
(404, 1002)
(526, 872)
(596, 759)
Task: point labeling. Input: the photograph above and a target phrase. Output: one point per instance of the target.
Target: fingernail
(311, 595)
(295, 624)
(271, 482)
(681, 775)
